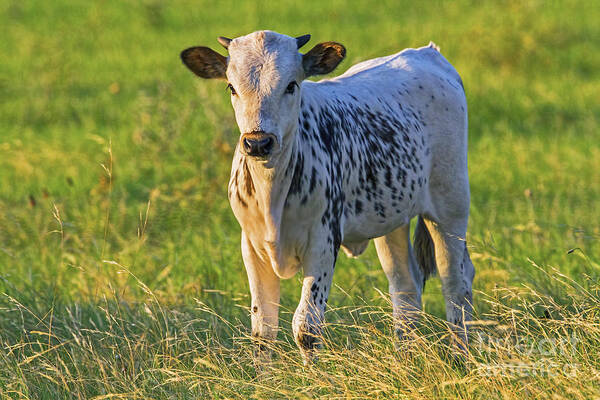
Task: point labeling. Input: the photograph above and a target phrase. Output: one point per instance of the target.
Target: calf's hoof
(309, 344)
(262, 354)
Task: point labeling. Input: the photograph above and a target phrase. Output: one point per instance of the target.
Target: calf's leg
(308, 318)
(404, 277)
(456, 273)
(264, 290)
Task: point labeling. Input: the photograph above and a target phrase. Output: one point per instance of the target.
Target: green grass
(120, 269)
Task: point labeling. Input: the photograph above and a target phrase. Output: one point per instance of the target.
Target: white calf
(335, 163)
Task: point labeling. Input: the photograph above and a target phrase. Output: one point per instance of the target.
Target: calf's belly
(370, 226)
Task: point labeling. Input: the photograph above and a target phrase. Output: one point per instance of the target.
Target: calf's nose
(258, 144)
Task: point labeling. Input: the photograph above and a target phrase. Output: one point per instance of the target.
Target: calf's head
(264, 71)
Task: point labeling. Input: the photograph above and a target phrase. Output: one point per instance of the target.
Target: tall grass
(528, 344)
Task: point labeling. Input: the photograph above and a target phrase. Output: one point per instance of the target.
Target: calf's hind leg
(456, 272)
(404, 276)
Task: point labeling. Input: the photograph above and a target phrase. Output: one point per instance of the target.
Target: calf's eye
(291, 87)
(231, 89)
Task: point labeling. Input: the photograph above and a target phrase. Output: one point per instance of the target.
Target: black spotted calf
(336, 163)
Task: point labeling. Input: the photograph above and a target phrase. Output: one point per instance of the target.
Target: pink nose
(257, 143)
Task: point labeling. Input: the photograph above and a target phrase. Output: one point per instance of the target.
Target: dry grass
(528, 345)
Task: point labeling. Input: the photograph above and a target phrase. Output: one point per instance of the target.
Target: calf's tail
(424, 250)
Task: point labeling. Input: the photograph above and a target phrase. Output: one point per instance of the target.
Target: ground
(120, 269)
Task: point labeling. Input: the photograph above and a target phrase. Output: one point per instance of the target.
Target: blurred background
(112, 150)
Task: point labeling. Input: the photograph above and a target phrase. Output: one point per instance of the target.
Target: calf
(336, 163)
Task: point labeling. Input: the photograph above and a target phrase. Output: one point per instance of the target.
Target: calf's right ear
(205, 62)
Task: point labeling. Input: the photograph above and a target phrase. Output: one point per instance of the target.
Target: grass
(120, 269)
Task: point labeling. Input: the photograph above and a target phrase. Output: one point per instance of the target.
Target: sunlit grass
(526, 342)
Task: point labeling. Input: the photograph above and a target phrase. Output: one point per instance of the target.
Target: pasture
(120, 269)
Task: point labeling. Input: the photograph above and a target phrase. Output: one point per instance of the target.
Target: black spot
(388, 176)
(296, 184)
(248, 183)
(358, 207)
(242, 202)
(313, 180)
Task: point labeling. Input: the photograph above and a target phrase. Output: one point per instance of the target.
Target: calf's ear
(205, 62)
(323, 58)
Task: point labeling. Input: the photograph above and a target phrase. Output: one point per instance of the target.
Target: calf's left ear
(323, 58)
(205, 62)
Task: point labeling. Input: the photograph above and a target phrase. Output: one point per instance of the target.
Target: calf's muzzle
(257, 143)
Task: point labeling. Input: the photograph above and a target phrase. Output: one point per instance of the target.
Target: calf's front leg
(308, 319)
(264, 290)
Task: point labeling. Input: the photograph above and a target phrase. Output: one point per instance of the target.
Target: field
(120, 269)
